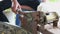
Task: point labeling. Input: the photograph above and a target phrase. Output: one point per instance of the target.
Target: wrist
(14, 0)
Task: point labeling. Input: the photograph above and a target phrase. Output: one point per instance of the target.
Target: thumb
(19, 8)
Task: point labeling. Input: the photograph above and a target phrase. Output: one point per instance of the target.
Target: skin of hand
(15, 6)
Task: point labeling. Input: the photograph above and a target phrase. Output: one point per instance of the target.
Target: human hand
(15, 6)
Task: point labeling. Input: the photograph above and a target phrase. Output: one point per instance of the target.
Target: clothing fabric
(3, 18)
(18, 21)
(5, 4)
(31, 3)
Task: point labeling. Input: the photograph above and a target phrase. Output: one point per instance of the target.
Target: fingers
(15, 6)
(19, 6)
